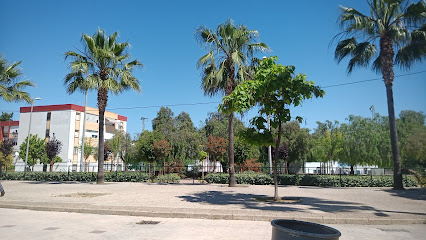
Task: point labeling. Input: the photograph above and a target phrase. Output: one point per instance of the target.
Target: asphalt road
(28, 224)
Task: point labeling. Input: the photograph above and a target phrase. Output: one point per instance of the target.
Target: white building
(65, 122)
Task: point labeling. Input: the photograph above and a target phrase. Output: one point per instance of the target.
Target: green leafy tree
(6, 157)
(297, 140)
(411, 133)
(89, 150)
(6, 116)
(53, 148)
(164, 122)
(395, 25)
(11, 90)
(327, 142)
(274, 89)
(105, 62)
(230, 53)
(145, 148)
(36, 150)
(360, 142)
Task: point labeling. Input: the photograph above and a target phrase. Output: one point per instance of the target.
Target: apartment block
(65, 122)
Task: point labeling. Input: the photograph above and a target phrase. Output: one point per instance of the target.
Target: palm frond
(415, 50)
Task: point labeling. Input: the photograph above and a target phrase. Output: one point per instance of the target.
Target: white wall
(61, 126)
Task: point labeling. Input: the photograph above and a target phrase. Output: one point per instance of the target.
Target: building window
(47, 132)
(49, 115)
(77, 116)
(75, 150)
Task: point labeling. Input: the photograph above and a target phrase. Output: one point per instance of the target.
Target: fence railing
(192, 169)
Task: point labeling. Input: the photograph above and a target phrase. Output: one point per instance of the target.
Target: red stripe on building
(9, 123)
(50, 108)
(122, 118)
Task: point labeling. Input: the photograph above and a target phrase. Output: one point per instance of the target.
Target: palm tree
(231, 48)
(103, 60)
(10, 88)
(395, 25)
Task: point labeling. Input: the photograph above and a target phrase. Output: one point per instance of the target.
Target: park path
(215, 201)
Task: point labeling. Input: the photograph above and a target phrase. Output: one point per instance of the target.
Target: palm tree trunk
(277, 146)
(397, 173)
(232, 182)
(102, 101)
(386, 56)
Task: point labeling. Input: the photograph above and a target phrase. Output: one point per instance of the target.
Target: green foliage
(167, 178)
(10, 89)
(311, 180)
(6, 116)
(88, 149)
(76, 176)
(298, 141)
(36, 151)
(274, 89)
(145, 145)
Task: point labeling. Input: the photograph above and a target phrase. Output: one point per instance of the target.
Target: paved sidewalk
(19, 224)
(368, 206)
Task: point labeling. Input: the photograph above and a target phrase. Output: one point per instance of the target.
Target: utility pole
(372, 111)
(143, 123)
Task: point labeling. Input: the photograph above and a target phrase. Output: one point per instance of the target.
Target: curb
(141, 213)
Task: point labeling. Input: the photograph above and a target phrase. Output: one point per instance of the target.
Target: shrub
(311, 180)
(76, 176)
(168, 178)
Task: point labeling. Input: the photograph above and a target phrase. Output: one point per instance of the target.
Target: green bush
(168, 178)
(76, 176)
(311, 180)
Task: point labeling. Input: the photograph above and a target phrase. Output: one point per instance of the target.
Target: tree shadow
(307, 204)
(413, 193)
(58, 182)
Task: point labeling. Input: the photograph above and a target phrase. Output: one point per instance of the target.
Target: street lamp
(29, 130)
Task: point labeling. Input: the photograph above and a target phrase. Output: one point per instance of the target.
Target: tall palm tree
(10, 89)
(230, 53)
(394, 25)
(104, 61)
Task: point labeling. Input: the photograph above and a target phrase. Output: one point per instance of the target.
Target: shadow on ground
(307, 204)
(413, 193)
(58, 182)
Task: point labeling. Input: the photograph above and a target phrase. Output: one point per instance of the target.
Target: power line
(370, 80)
(205, 103)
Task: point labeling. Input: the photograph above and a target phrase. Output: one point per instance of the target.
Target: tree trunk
(352, 172)
(277, 146)
(386, 55)
(44, 167)
(102, 102)
(397, 173)
(51, 166)
(202, 169)
(214, 165)
(232, 181)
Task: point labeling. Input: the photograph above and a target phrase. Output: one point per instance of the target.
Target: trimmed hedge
(168, 178)
(311, 180)
(76, 176)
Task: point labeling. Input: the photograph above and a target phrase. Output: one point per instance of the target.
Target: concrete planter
(293, 229)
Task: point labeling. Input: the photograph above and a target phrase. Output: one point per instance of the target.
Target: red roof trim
(9, 123)
(50, 108)
(122, 118)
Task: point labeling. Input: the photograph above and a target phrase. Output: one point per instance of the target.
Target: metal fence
(198, 169)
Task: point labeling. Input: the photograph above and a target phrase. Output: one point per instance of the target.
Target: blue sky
(161, 34)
